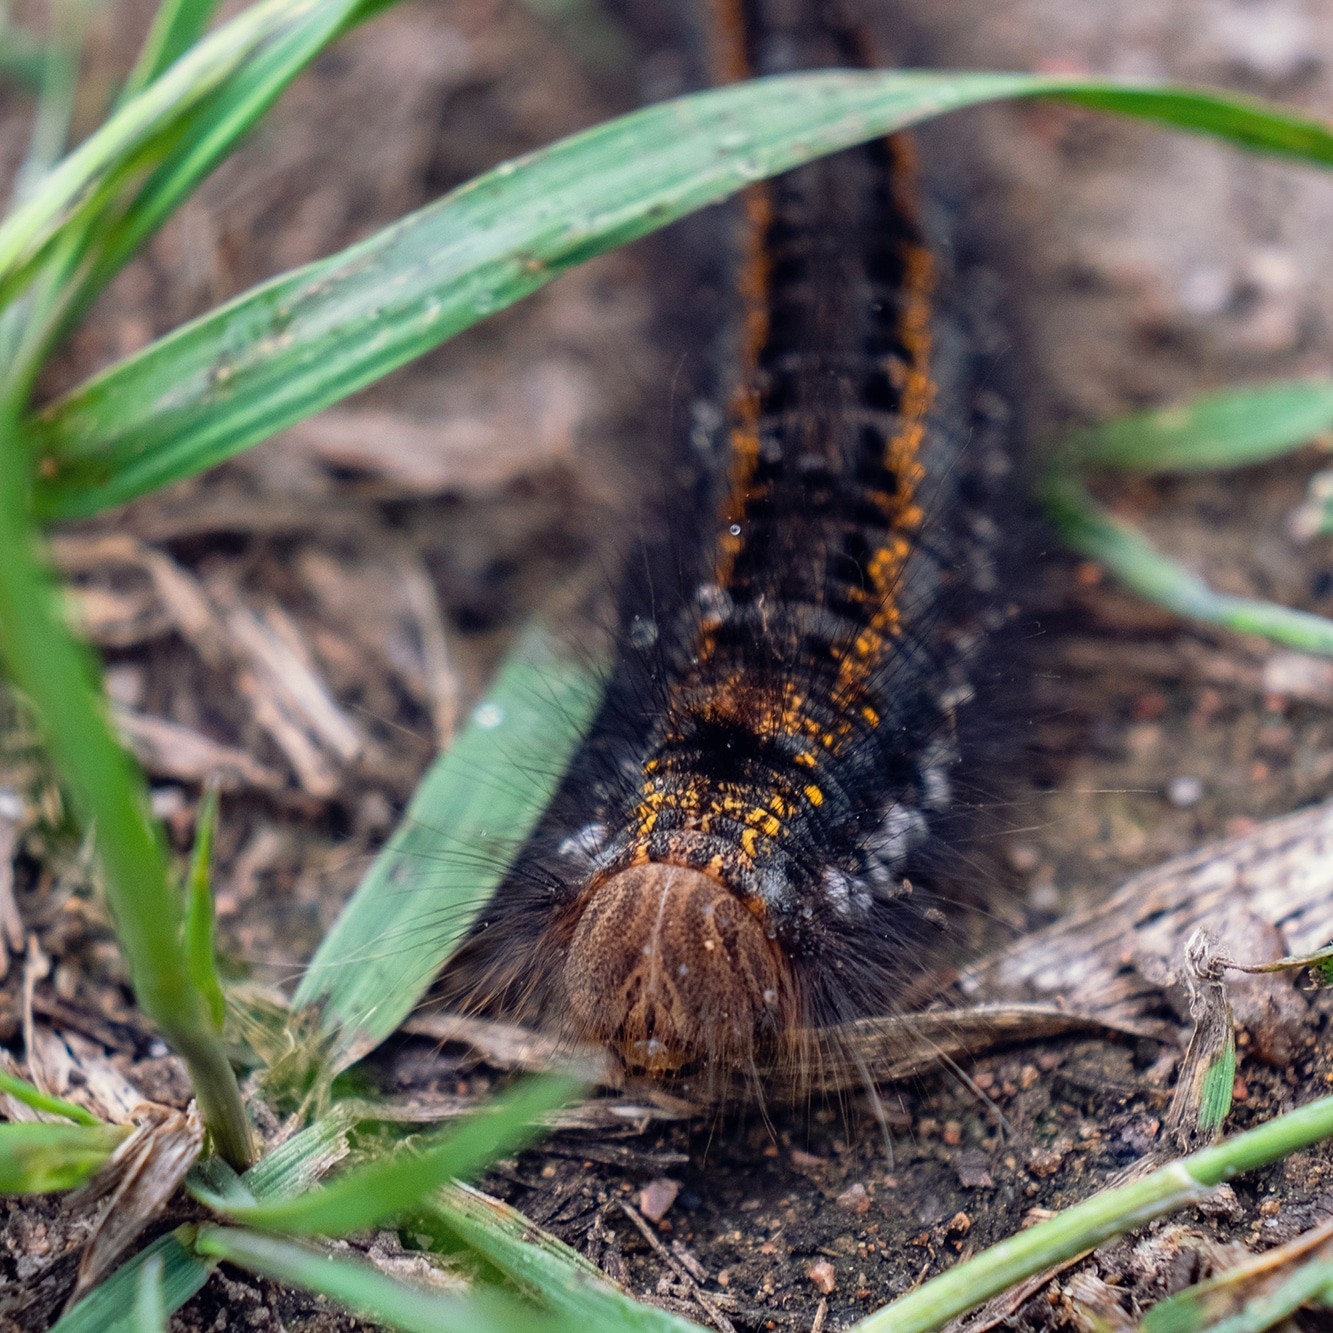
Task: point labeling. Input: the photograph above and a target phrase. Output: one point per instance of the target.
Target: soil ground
(386, 552)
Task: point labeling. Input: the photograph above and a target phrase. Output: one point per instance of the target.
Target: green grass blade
(24, 1092)
(200, 950)
(1110, 1213)
(60, 679)
(111, 1306)
(295, 1166)
(378, 1190)
(89, 256)
(209, 135)
(177, 26)
(1240, 120)
(1088, 528)
(150, 1306)
(1202, 1308)
(366, 1290)
(1229, 429)
(303, 341)
(38, 1158)
(133, 137)
(545, 1268)
(1218, 1083)
(469, 815)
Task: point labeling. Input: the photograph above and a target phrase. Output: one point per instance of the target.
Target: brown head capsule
(669, 967)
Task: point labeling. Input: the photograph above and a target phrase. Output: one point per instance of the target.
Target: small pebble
(656, 1198)
(1046, 1161)
(822, 1275)
(855, 1199)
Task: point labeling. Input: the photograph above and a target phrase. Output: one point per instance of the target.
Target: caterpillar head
(670, 968)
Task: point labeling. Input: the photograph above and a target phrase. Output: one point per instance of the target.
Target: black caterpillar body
(749, 849)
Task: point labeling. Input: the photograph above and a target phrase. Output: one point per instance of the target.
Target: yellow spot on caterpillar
(805, 759)
(870, 715)
(814, 795)
(760, 819)
(750, 842)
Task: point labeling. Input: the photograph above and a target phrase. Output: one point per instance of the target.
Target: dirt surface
(310, 620)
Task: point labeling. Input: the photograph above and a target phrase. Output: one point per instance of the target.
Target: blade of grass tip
(22, 1091)
(375, 1191)
(40, 1158)
(80, 183)
(1088, 528)
(370, 1293)
(1239, 120)
(1110, 1213)
(542, 1266)
(1217, 430)
(150, 1306)
(466, 820)
(177, 26)
(200, 951)
(283, 351)
(110, 1306)
(59, 679)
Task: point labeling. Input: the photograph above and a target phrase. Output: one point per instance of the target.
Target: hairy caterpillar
(746, 850)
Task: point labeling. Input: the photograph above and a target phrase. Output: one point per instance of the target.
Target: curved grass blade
(177, 26)
(1258, 1293)
(469, 815)
(384, 1188)
(372, 1294)
(150, 1305)
(85, 257)
(1110, 1213)
(200, 947)
(536, 1262)
(133, 137)
(22, 1091)
(1140, 566)
(38, 1158)
(283, 351)
(60, 679)
(110, 1306)
(213, 131)
(1218, 430)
